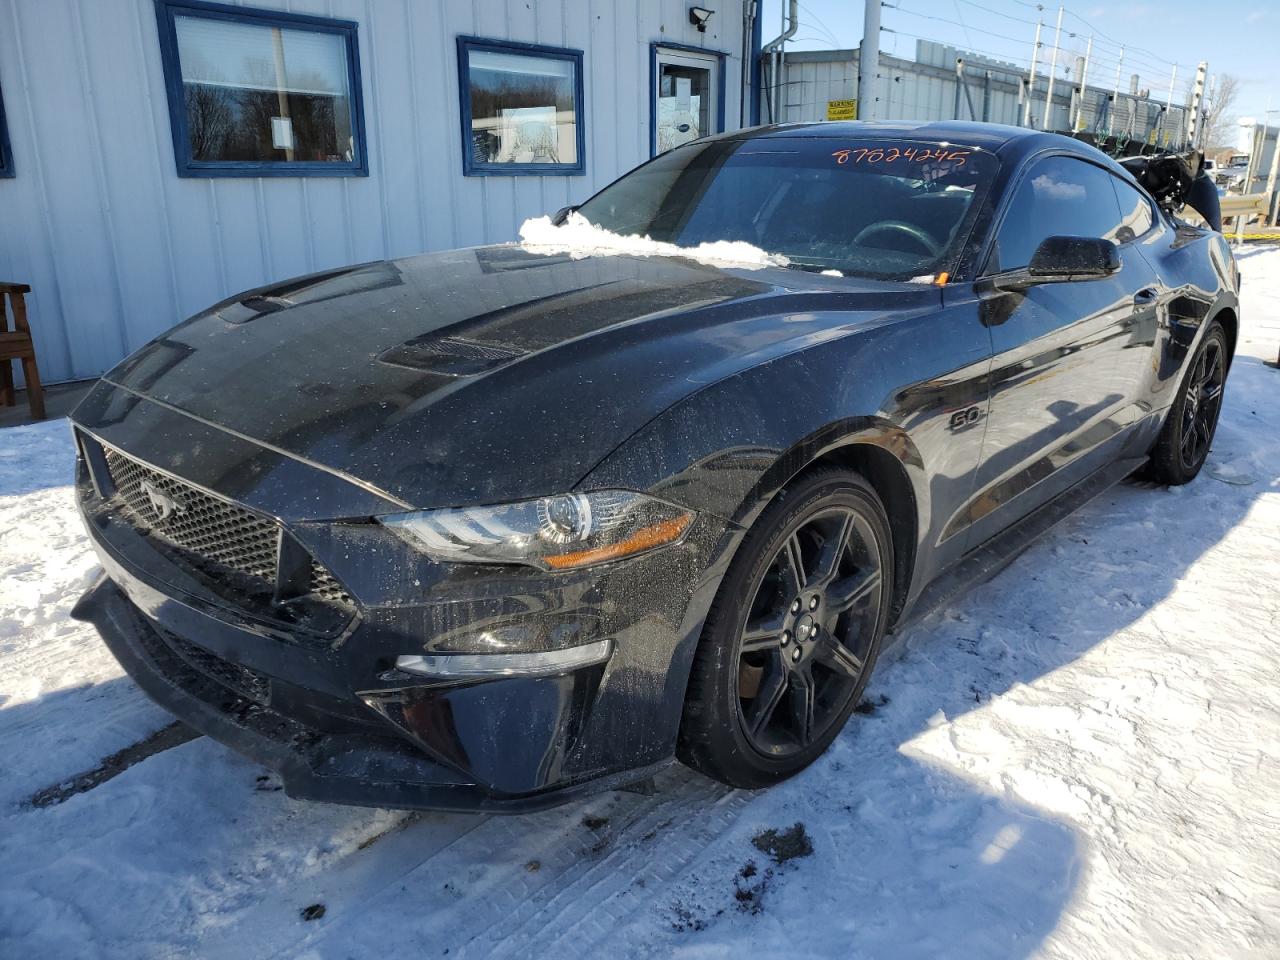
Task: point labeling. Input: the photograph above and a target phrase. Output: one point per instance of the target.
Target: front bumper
(314, 764)
(336, 718)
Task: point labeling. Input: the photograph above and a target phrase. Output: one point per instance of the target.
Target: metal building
(944, 83)
(159, 155)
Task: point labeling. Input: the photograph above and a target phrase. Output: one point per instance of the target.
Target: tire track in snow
(346, 889)
(571, 912)
(593, 908)
(529, 879)
(174, 735)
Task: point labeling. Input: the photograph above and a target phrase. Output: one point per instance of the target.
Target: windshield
(880, 208)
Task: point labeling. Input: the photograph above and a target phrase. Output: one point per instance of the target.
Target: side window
(1058, 196)
(1135, 212)
(6, 156)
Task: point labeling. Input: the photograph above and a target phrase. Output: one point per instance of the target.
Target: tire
(1187, 434)
(783, 659)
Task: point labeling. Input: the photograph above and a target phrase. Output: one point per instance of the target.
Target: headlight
(554, 533)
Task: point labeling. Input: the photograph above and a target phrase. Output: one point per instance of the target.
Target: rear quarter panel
(1200, 282)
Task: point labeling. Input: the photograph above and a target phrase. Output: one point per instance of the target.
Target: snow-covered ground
(1080, 758)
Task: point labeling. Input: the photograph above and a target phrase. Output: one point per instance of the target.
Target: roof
(994, 137)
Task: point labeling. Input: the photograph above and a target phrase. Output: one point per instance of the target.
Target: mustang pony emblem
(164, 505)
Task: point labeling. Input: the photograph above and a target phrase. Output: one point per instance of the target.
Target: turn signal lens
(647, 538)
(554, 533)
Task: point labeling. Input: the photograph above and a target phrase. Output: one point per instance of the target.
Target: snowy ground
(1079, 759)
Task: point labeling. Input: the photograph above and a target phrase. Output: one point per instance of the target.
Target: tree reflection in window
(522, 106)
(261, 92)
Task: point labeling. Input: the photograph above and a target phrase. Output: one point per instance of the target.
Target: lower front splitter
(313, 764)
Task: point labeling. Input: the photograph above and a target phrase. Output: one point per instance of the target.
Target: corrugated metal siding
(117, 247)
(925, 89)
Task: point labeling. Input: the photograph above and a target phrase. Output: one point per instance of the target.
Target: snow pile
(1077, 759)
(579, 238)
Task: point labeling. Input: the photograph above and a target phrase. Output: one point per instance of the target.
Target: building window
(686, 96)
(522, 108)
(255, 93)
(6, 155)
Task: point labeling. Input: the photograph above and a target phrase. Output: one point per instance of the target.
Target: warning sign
(842, 109)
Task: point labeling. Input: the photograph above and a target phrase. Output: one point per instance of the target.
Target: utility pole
(1031, 79)
(1168, 106)
(1115, 97)
(869, 60)
(1210, 108)
(1275, 159)
(1084, 79)
(1053, 66)
(1197, 103)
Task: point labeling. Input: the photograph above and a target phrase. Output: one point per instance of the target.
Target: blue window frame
(259, 93)
(522, 109)
(658, 99)
(6, 154)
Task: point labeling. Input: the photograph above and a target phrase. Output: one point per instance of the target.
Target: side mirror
(1063, 259)
(561, 215)
(1074, 258)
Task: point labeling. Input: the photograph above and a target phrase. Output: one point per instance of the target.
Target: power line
(960, 16)
(822, 26)
(1134, 56)
(823, 40)
(991, 54)
(954, 23)
(1098, 34)
(1117, 42)
(1139, 55)
(999, 13)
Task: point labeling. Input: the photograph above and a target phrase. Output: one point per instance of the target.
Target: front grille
(248, 683)
(231, 548)
(324, 586)
(219, 538)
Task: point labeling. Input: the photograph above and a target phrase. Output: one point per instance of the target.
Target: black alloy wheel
(1184, 441)
(804, 646)
(793, 634)
(1203, 403)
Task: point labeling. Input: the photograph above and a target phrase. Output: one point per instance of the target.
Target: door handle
(1145, 296)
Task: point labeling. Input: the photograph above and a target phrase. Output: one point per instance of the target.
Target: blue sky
(1239, 38)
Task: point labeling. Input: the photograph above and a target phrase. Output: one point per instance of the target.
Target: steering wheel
(918, 234)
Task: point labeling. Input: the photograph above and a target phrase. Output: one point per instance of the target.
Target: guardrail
(1244, 208)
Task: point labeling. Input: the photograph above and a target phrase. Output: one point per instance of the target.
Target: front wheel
(793, 634)
(1188, 430)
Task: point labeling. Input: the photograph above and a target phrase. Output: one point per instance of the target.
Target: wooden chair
(16, 344)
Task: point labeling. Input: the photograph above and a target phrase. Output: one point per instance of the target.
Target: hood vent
(450, 356)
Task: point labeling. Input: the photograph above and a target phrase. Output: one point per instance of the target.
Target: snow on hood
(579, 238)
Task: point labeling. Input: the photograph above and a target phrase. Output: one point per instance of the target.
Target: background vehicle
(487, 528)
(1231, 176)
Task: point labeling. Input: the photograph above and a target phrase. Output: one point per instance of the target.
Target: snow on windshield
(579, 238)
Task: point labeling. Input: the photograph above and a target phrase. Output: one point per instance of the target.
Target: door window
(1059, 196)
(1135, 211)
(685, 102)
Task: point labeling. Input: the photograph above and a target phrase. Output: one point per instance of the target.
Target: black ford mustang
(488, 528)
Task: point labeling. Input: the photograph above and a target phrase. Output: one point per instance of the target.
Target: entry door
(686, 97)
(1070, 359)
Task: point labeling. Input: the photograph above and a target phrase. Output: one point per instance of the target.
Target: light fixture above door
(699, 16)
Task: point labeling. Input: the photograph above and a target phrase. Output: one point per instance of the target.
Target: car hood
(490, 373)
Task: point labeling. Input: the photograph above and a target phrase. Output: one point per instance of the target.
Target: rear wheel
(1188, 430)
(793, 634)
